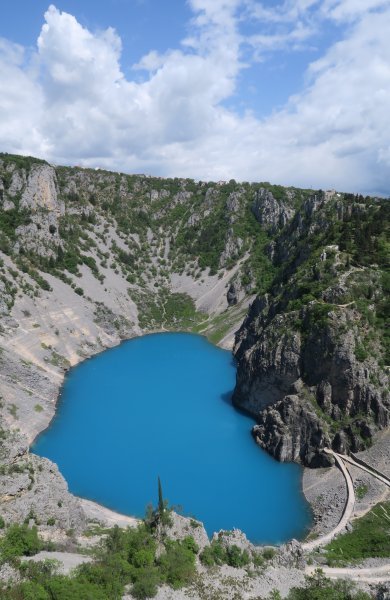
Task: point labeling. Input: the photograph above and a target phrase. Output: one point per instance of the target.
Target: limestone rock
(291, 431)
(32, 487)
(235, 537)
(273, 214)
(290, 555)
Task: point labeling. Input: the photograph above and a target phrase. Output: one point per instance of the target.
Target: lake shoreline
(184, 365)
(32, 429)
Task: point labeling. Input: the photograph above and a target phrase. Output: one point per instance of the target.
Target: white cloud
(71, 102)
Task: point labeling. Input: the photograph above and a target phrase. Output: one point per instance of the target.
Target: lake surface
(159, 405)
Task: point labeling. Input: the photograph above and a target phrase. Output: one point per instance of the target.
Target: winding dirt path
(347, 512)
(373, 575)
(367, 574)
(377, 474)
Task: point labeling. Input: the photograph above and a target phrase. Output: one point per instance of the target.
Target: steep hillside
(89, 257)
(313, 353)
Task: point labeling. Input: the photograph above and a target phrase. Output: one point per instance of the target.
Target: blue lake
(159, 405)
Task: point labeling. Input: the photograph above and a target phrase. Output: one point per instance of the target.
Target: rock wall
(309, 371)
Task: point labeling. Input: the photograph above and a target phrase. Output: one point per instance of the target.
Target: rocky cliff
(312, 353)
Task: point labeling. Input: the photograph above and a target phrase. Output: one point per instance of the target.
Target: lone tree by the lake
(161, 504)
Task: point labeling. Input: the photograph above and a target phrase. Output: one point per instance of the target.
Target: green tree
(161, 506)
(20, 540)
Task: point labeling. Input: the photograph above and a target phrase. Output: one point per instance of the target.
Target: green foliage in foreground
(217, 554)
(126, 557)
(369, 538)
(319, 587)
(19, 540)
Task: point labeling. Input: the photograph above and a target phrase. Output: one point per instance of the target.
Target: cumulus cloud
(70, 102)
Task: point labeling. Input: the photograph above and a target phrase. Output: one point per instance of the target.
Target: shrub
(215, 554)
(20, 540)
(235, 557)
(268, 553)
(177, 564)
(319, 587)
(360, 353)
(146, 583)
(65, 588)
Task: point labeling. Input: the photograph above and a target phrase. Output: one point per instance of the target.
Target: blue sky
(294, 92)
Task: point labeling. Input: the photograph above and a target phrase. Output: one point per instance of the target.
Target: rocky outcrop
(38, 198)
(235, 537)
(233, 245)
(235, 293)
(268, 358)
(270, 212)
(33, 490)
(291, 431)
(307, 389)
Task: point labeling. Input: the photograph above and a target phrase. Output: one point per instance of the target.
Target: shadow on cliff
(227, 397)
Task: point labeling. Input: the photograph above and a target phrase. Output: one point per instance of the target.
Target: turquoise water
(159, 405)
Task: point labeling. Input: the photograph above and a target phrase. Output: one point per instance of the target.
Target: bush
(268, 553)
(360, 353)
(319, 587)
(20, 540)
(146, 583)
(177, 564)
(215, 554)
(64, 588)
(26, 591)
(235, 557)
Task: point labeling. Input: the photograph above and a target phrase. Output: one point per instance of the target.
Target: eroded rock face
(235, 537)
(268, 359)
(40, 190)
(235, 293)
(181, 527)
(40, 233)
(233, 245)
(32, 489)
(291, 431)
(269, 211)
(290, 555)
(300, 388)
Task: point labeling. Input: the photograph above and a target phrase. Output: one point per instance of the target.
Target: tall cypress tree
(161, 506)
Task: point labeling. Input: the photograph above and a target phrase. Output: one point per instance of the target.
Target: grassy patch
(369, 538)
(361, 491)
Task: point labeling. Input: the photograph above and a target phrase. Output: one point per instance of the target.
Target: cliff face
(312, 352)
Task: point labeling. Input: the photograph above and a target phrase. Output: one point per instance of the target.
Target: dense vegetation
(128, 559)
(125, 557)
